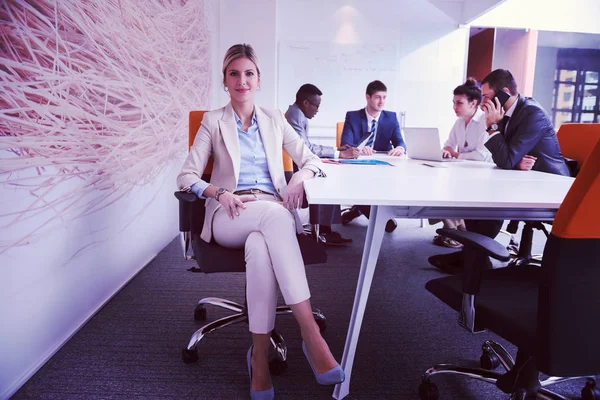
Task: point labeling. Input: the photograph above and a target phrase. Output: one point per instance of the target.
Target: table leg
(379, 217)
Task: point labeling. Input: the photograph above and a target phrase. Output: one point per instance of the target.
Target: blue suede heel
(268, 394)
(332, 377)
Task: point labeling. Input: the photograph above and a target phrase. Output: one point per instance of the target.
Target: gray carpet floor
(132, 347)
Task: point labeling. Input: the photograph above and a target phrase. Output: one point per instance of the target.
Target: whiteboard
(341, 71)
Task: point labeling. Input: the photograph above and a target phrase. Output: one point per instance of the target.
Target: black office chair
(576, 141)
(549, 313)
(212, 258)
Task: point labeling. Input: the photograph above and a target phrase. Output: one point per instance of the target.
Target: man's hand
(367, 151)
(232, 203)
(348, 152)
(493, 111)
(527, 162)
(396, 151)
(449, 152)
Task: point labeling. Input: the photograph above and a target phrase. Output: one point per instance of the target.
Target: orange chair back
(195, 120)
(577, 140)
(579, 215)
(339, 128)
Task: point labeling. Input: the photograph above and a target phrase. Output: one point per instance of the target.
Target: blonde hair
(239, 51)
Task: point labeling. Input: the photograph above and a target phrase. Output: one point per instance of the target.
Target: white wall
(543, 85)
(514, 49)
(252, 22)
(431, 52)
(548, 15)
(52, 286)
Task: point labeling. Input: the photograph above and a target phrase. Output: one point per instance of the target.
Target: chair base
(190, 354)
(493, 356)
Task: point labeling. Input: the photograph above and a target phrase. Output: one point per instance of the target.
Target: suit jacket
(388, 130)
(530, 132)
(299, 122)
(218, 137)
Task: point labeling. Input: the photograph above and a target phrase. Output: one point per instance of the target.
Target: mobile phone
(502, 97)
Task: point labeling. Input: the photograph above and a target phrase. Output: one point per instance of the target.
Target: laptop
(424, 144)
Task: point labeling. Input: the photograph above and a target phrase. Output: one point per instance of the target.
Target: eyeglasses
(315, 105)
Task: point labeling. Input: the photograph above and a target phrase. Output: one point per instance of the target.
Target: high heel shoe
(268, 394)
(332, 377)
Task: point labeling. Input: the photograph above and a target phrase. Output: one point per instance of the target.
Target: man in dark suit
(521, 137)
(372, 129)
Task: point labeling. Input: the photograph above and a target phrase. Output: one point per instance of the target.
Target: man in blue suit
(371, 130)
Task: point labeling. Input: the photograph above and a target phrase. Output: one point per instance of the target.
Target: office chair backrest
(195, 120)
(577, 140)
(339, 128)
(569, 299)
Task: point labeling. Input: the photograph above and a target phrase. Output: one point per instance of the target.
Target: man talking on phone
(521, 137)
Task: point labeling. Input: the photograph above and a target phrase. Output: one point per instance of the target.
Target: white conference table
(425, 189)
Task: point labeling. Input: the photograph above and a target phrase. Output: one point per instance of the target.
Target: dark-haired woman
(468, 136)
(466, 141)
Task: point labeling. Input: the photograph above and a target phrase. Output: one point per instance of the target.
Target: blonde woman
(250, 206)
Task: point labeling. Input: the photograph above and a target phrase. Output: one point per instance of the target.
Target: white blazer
(218, 137)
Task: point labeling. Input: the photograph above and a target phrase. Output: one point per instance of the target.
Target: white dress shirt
(469, 139)
(369, 123)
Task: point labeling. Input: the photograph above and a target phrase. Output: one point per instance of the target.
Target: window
(576, 94)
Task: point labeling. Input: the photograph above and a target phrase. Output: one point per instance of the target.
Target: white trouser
(267, 231)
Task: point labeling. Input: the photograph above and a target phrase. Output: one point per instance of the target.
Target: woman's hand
(293, 196)
(232, 203)
(449, 152)
(295, 189)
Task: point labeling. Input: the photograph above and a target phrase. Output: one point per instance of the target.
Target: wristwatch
(220, 191)
(492, 128)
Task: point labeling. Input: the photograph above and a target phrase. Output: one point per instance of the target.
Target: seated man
(520, 137)
(372, 129)
(308, 100)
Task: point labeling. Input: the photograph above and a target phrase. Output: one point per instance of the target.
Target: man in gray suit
(308, 100)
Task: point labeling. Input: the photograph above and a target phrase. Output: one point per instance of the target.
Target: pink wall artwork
(94, 99)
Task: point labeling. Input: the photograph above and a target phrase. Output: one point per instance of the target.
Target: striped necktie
(372, 136)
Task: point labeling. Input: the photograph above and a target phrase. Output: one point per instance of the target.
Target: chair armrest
(191, 212)
(187, 197)
(477, 242)
(573, 166)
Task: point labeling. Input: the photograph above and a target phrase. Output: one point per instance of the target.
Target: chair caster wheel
(489, 361)
(277, 366)
(428, 391)
(590, 391)
(189, 356)
(200, 313)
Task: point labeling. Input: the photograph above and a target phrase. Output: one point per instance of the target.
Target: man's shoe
(349, 215)
(449, 263)
(334, 239)
(391, 225)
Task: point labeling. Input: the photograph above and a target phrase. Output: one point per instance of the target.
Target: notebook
(424, 144)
